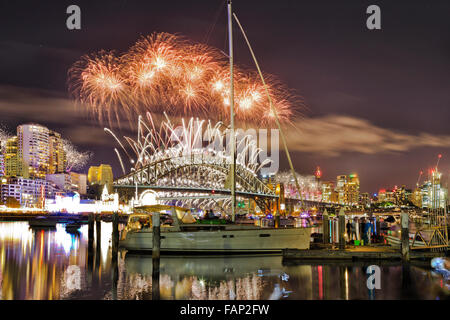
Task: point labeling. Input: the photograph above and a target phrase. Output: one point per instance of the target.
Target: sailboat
(184, 235)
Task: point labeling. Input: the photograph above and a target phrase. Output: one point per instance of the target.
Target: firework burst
(192, 137)
(74, 158)
(167, 73)
(4, 136)
(185, 144)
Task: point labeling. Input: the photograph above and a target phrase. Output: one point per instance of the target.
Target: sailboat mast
(232, 137)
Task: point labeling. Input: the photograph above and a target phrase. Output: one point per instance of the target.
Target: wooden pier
(355, 253)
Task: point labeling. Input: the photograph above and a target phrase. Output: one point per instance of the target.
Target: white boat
(187, 236)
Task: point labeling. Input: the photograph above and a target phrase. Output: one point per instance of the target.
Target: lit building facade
(28, 192)
(347, 189)
(364, 199)
(101, 175)
(79, 182)
(40, 151)
(61, 180)
(352, 189)
(416, 197)
(57, 160)
(341, 181)
(2, 165)
(34, 148)
(327, 190)
(12, 164)
(434, 196)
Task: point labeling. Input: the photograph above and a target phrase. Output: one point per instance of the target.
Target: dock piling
(98, 228)
(97, 241)
(405, 236)
(342, 229)
(156, 255)
(156, 235)
(115, 235)
(325, 227)
(90, 231)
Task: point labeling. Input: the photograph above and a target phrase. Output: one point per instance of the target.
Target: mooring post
(115, 235)
(343, 283)
(342, 229)
(155, 279)
(156, 255)
(325, 227)
(156, 236)
(405, 236)
(277, 219)
(90, 231)
(97, 240)
(98, 229)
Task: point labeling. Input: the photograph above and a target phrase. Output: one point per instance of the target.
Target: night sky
(377, 102)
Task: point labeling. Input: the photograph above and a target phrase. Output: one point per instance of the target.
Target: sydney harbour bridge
(202, 180)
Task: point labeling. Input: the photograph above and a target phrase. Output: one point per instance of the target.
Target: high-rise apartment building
(57, 155)
(41, 150)
(2, 165)
(327, 190)
(352, 189)
(347, 189)
(34, 148)
(341, 181)
(434, 196)
(13, 164)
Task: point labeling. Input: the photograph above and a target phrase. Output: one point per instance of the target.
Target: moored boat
(185, 235)
(42, 222)
(73, 227)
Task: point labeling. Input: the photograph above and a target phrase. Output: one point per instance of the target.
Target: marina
(53, 264)
(229, 150)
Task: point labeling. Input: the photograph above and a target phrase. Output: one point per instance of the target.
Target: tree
(12, 202)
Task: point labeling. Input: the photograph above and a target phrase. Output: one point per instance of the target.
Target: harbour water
(54, 264)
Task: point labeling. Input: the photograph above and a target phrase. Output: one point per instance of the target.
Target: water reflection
(54, 264)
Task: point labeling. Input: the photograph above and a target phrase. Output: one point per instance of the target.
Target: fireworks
(4, 136)
(75, 159)
(185, 145)
(310, 187)
(193, 137)
(167, 73)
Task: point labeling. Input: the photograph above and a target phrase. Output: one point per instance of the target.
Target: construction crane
(418, 179)
(439, 158)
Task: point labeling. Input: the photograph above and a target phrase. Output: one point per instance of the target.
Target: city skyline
(354, 121)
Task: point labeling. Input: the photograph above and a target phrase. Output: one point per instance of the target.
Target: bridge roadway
(202, 190)
(219, 194)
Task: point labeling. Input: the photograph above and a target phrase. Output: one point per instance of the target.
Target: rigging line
(213, 25)
(273, 109)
